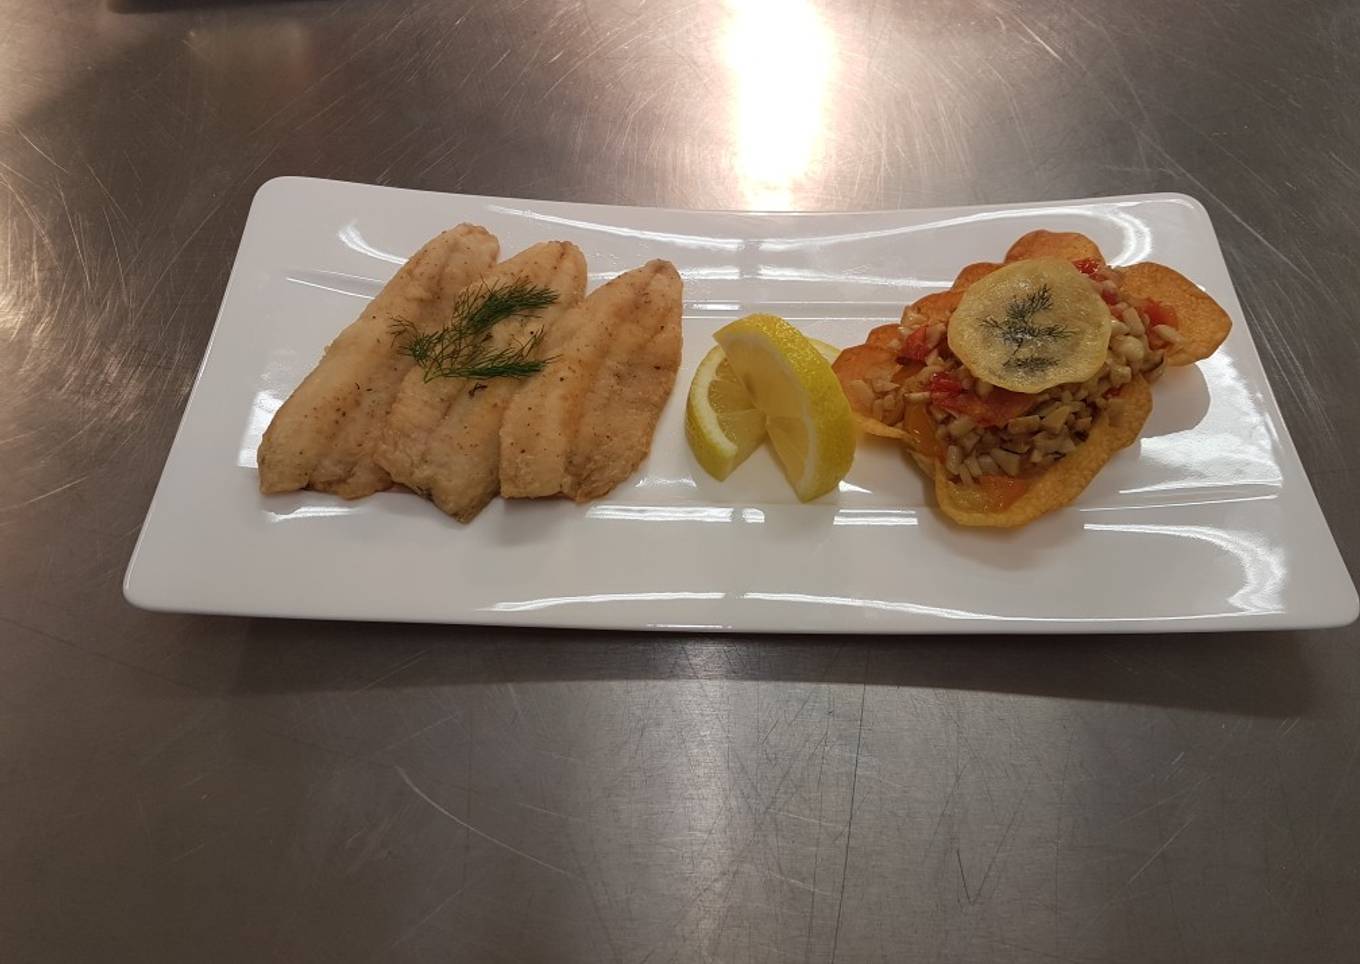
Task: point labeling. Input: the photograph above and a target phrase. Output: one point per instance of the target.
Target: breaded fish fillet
(323, 436)
(442, 437)
(585, 423)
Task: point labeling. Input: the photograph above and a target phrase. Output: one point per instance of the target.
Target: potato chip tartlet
(1016, 385)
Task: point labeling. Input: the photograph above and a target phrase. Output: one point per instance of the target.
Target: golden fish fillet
(442, 437)
(323, 436)
(585, 423)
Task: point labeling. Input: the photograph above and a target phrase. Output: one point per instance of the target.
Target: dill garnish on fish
(463, 348)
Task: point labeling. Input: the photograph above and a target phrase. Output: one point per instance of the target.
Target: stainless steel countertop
(198, 789)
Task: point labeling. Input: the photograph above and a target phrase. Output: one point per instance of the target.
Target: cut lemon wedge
(829, 352)
(789, 382)
(722, 423)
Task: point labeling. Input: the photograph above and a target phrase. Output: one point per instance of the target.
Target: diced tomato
(1110, 298)
(920, 429)
(1006, 405)
(943, 385)
(1160, 314)
(998, 408)
(964, 403)
(1087, 266)
(917, 345)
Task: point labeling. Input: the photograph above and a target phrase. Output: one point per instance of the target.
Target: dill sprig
(1019, 330)
(1031, 364)
(463, 348)
(481, 307)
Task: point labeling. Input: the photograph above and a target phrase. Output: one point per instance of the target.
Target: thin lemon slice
(791, 383)
(1031, 325)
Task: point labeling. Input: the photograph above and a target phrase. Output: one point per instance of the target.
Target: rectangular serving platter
(1207, 523)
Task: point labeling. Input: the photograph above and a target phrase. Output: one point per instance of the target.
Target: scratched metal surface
(178, 788)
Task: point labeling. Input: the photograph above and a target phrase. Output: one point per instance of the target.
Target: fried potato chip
(1059, 484)
(1031, 325)
(872, 426)
(1203, 324)
(936, 307)
(926, 465)
(885, 336)
(1067, 245)
(857, 368)
(864, 363)
(974, 272)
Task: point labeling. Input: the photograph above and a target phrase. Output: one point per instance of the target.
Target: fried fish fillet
(442, 437)
(323, 436)
(585, 423)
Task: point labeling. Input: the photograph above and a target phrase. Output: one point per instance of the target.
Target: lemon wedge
(722, 423)
(789, 384)
(829, 352)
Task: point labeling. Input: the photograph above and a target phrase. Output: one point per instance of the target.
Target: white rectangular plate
(1208, 522)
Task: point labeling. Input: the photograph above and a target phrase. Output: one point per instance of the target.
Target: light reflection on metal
(782, 57)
